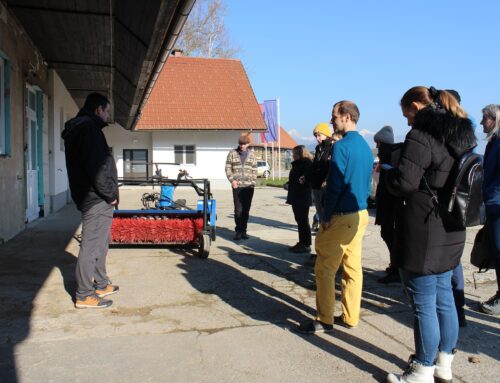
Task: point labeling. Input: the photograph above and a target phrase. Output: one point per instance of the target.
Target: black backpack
(459, 201)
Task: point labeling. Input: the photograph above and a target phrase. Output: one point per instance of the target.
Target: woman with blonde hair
(429, 250)
(300, 197)
(491, 195)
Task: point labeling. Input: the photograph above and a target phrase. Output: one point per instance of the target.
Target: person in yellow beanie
(324, 129)
(319, 169)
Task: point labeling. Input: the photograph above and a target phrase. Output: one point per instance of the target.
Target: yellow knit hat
(323, 128)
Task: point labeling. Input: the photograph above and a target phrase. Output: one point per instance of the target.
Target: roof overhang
(115, 47)
(239, 130)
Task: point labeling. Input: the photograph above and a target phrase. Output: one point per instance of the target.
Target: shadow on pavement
(271, 257)
(264, 303)
(273, 223)
(476, 338)
(388, 299)
(26, 261)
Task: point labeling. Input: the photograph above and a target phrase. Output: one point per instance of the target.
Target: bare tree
(204, 33)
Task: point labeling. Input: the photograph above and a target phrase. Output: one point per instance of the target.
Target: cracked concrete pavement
(178, 318)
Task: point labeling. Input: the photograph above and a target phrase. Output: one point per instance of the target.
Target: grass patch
(277, 182)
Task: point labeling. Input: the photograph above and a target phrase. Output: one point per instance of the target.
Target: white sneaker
(415, 373)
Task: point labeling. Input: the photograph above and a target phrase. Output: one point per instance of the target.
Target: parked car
(263, 169)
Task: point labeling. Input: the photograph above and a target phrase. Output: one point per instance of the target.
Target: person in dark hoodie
(440, 133)
(300, 197)
(387, 204)
(94, 188)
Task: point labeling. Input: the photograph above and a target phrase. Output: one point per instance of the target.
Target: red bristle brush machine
(165, 222)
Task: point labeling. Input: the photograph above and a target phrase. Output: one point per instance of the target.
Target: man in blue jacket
(94, 188)
(343, 224)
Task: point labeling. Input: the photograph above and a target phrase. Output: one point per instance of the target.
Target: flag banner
(270, 114)
(257, 138)
(260, 138)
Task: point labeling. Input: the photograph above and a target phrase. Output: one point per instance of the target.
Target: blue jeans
(458, 285)
(435, 325)
(493, 225)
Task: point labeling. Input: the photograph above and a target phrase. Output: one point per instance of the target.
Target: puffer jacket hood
(455, 132)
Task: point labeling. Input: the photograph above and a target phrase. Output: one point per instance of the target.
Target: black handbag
(481, 255)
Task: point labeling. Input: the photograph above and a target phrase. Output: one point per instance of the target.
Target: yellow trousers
(340, 244)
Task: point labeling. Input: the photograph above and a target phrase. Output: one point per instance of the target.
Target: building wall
(119, 139)
(212, 148)
(25, 66)
(61, 107)
(285, 155)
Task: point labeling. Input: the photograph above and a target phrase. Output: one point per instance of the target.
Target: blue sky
(311, 54)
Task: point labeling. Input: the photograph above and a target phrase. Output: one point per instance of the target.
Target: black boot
(238, 236)
(391, 277)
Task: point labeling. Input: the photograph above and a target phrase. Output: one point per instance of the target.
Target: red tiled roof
(202, 94)
(287, 142)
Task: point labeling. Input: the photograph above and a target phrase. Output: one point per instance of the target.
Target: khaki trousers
(340, 244)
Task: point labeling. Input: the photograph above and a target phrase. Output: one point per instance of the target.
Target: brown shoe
(108, 290)
(92, 302)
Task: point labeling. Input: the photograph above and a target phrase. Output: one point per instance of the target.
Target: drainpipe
(178, 22)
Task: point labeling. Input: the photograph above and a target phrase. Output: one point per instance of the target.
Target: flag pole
(279, 138)
(273, 155)
(265, 151)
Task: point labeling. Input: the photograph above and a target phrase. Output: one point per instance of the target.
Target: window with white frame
(3, 127)
(185, 154)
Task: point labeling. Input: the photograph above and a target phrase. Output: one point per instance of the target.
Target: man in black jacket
(94, 188)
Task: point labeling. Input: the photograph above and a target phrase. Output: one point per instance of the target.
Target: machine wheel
(213, 233)
(266, 174)
(204, 245)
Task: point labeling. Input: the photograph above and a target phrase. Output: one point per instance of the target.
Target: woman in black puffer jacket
(429, 250)
(300, 197)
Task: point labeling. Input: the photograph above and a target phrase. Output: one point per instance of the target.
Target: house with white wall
(195, 114)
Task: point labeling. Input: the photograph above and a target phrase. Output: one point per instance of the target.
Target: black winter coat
(319, 169)
(91, 168)
(425, 245)
(386, 203)
(299, 194)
